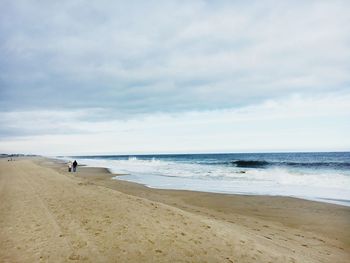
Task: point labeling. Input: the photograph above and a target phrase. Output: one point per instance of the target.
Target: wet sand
(50, 215)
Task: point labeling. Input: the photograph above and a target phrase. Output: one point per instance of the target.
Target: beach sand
(50, 215)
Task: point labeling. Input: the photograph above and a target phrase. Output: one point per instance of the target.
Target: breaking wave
(264, 164)
(323, 177)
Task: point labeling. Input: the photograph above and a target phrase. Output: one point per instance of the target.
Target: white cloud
(296, 123)
(118, 76)
(138, 57)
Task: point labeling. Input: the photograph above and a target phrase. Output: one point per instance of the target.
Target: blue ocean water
(316, 176)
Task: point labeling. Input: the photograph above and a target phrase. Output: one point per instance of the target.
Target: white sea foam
(315, 185)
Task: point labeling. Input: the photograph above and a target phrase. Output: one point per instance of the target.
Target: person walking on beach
(75, 164)
(69, 166)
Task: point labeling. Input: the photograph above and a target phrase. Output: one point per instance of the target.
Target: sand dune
(48, 215)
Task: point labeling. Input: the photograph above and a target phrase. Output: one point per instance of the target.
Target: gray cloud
(147, 56)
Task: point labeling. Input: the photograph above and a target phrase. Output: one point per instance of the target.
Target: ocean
(314, 176)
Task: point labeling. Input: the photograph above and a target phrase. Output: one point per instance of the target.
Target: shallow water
(315, 176)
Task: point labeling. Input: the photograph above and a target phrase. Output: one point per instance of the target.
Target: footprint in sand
(74, 257)
(84, 221)
(80, 244)
(319, 239)
(108, 222)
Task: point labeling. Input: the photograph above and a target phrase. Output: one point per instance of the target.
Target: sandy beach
(50, 215)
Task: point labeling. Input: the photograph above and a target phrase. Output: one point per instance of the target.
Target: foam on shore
(324, 186)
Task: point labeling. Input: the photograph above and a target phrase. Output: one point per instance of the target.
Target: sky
(129, 77)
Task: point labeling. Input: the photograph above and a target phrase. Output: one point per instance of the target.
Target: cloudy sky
(174, 76)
